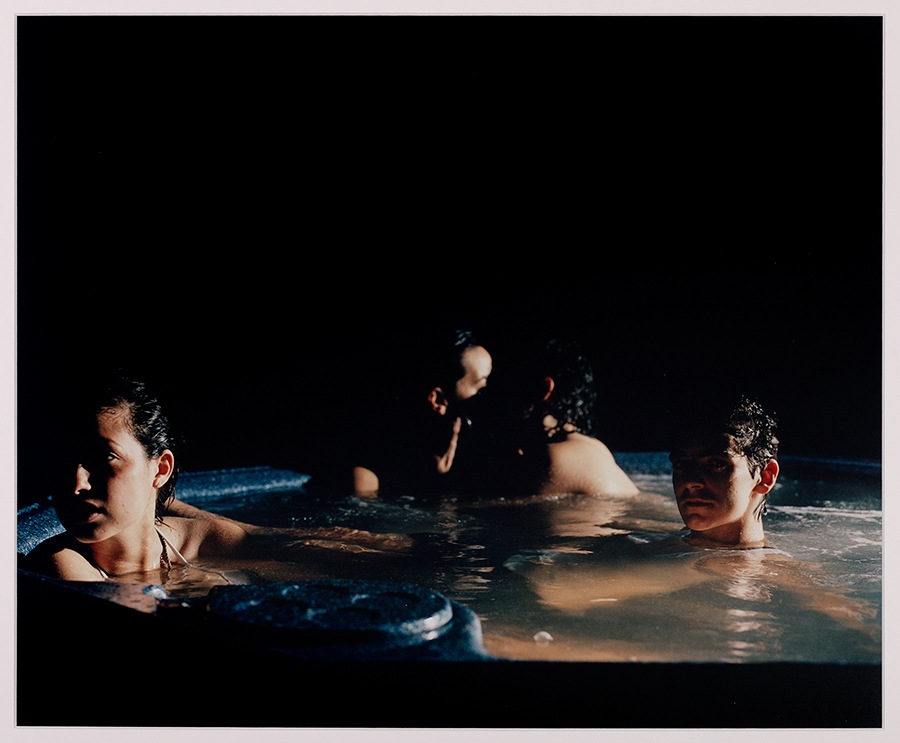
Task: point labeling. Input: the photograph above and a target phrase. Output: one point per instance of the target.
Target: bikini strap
(172, 547)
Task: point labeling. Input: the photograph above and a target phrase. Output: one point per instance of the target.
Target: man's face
(715, 490)
(477, 364)
(465, 401)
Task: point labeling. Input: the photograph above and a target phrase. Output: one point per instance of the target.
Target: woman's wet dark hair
(146, 421)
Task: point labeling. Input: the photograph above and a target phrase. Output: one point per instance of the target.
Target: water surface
(611, 579)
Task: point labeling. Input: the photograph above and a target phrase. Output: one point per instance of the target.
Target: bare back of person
(583, 464)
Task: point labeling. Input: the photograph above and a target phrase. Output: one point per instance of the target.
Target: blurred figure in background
(416, 450)
(547, 427)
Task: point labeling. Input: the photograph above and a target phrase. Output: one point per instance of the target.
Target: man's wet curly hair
(574, 396)
(753, 431)
(744, 419)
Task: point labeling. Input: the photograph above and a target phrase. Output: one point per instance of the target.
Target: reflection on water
(607, 579)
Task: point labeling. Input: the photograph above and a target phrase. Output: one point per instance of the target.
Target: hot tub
(527, 628)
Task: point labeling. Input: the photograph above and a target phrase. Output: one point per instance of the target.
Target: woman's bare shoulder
(59, 557)
(49, 547)
(204, 536)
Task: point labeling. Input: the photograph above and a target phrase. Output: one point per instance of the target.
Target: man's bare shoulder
(578, 447)
(583, 464)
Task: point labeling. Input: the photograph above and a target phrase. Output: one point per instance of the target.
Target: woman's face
(115, 483)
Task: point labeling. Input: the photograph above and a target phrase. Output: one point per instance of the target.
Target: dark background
(266, 215)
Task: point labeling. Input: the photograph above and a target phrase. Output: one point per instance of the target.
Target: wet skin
(718, 496)
(115, 485)
(477, 363)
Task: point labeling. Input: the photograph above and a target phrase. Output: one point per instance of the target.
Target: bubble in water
(543, 638)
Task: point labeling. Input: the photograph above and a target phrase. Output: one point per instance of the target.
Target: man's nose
(82, 479)
(691, 477)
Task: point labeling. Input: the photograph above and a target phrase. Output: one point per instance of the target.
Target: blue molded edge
(194, 486)
(657, 463)
(36, 523)
(644, 462)
(847, 466)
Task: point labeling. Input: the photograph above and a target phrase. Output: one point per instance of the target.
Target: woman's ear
(165, 466)
(549, 384)
(767, 477)
(438, 401)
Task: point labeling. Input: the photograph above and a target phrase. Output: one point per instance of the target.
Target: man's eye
(717, 465)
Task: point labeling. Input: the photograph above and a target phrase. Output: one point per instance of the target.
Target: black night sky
(263, 212)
